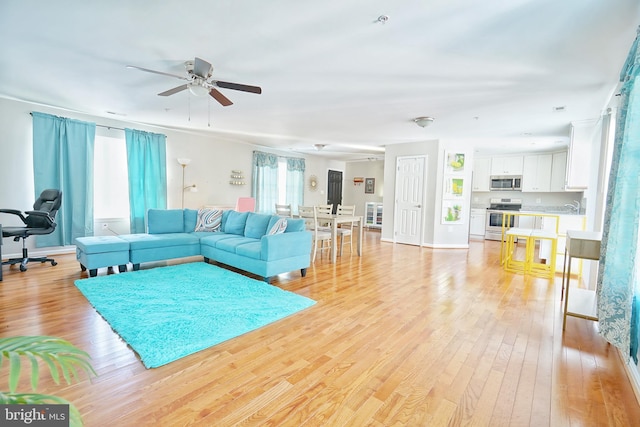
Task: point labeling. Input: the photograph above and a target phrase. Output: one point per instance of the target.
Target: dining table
(333, 221)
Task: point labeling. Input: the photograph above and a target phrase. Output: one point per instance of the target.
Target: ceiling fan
(199, 82)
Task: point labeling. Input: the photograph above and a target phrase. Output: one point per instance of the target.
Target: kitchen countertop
(555, 210)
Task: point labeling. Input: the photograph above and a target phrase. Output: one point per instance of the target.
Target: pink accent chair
(246, 204)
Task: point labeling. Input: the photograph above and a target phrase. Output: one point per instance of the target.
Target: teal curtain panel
(63, 159)
(147, 166)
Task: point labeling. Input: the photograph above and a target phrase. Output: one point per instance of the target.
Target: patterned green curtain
(295, 183)
(618, 265)
(264, 186)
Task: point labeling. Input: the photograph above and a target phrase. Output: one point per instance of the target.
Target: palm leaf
(59, 355)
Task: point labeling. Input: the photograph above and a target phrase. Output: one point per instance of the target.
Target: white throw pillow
(209, 220)
(278, 227)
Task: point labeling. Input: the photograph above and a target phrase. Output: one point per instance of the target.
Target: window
(277, 180)
(110, 186)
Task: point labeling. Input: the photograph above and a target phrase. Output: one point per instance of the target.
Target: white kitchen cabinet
(536, 173)
(558, 171)
(373, 215)
(477, 221)
(481, 174)
(529, 220)
(506, 165)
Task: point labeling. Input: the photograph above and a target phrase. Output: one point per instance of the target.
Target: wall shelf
(237, 178)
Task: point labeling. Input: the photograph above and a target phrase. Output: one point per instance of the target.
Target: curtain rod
(109, 127)
(98, 125)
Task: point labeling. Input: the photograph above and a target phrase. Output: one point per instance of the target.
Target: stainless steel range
(493, 229)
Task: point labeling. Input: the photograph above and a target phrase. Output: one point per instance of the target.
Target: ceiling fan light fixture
(423, 122)
(198, 90)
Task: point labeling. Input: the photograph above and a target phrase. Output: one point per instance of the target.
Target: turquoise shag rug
(166, 313)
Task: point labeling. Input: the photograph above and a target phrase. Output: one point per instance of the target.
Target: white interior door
(410, 178)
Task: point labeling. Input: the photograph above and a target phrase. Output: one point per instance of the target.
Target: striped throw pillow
(209, 220)
(278, 227)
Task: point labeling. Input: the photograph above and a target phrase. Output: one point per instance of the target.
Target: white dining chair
(346, 229)
(323, 211)
(319, 236)
(284, 210)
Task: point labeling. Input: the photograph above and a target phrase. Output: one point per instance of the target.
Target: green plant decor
(59, 355)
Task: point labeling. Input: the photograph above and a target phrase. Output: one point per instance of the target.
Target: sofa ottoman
(160, 247)
(96, 252)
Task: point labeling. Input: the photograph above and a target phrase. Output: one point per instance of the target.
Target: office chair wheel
(54, 263)
(23, 267)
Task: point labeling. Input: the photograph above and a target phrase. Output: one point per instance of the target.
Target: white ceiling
(330, 72)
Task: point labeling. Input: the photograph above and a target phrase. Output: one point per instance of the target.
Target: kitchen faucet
(575, 207)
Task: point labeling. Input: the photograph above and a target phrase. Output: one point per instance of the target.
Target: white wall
(453, 235)
(212, 159)
(320, 168)
(354, 194)
(426, 148)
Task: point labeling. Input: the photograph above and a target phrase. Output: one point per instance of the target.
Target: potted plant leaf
(60, 356)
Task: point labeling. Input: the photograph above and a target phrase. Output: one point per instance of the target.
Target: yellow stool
(536, 268)
(510, 262)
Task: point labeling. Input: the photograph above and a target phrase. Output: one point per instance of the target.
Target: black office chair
(39, 221)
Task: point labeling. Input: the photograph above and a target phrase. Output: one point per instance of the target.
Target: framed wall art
(453, 187)
(451, 212)
(454, 163)
(369, 185)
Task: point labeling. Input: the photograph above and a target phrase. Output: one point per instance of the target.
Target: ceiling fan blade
(174, 90)
(237, 86)
(218, 96)
(202, 68)
(158, 72)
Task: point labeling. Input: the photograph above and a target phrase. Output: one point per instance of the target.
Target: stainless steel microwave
(506, 183)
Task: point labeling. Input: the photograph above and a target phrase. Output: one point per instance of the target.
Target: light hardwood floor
(403, 336)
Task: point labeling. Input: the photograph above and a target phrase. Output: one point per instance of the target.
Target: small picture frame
(453, 187)
(454, 163)
(369, 185)
(452, 212)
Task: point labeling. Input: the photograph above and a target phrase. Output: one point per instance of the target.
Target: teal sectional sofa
(242, 240)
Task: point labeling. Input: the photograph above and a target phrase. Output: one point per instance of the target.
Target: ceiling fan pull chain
(189, 106)
(209, 112)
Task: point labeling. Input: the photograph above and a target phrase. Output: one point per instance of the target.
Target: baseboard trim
(432, 245)
(43, 252)
(445, 246)
(632, 373)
